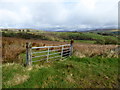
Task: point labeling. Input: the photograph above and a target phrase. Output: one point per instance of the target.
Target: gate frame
(29, 51)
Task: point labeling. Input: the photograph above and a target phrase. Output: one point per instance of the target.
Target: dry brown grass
(17, 79)
(90, 50)
(13, 47)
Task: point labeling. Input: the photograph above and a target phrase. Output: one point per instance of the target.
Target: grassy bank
(70, 73)
(85, 37)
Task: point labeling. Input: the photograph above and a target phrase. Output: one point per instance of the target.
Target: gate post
(62, 51)
(48, 54)
(71, 47)
(28, 54)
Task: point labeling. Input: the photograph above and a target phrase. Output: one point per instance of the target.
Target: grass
(91, 66)
(92, 50)
(85, 41)
(61, 36)
(13, 47)
(70, 73)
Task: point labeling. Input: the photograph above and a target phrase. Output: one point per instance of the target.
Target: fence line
(65, 50)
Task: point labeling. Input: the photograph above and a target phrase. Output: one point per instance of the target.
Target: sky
(70, 14)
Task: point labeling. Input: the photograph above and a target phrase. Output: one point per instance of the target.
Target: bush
(105, 34)
(24, 35)
(75, 36)
(100, 41)
(107, 40)
(110, 41)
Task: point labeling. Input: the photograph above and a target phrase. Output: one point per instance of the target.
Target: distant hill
(21, 30)
(104, 30)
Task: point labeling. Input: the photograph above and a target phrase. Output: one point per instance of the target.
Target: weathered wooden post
(28, 54)
(48, 53)
(71, 46)
(62, 51)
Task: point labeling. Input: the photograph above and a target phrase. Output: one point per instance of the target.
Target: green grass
(70, 73)
(85, 41)
(83, 37)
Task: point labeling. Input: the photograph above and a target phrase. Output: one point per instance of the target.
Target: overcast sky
(58, 13)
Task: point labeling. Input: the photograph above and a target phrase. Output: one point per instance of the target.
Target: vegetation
(92, 65)
(97, 38)
(24, 35)
(71, 73)
(90, 50)
(14, 47)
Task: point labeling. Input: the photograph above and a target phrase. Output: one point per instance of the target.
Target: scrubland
(13, 47)
(94, 63)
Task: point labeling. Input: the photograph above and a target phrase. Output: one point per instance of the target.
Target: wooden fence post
(28, 54)
(48, 53)
(62, 51)
(71, 47)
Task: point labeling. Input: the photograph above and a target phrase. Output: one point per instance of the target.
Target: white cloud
(41, 13)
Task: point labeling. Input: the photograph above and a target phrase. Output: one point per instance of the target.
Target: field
(70, 73)
(94, 63)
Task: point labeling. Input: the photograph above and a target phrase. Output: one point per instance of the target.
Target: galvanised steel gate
(47, 53)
